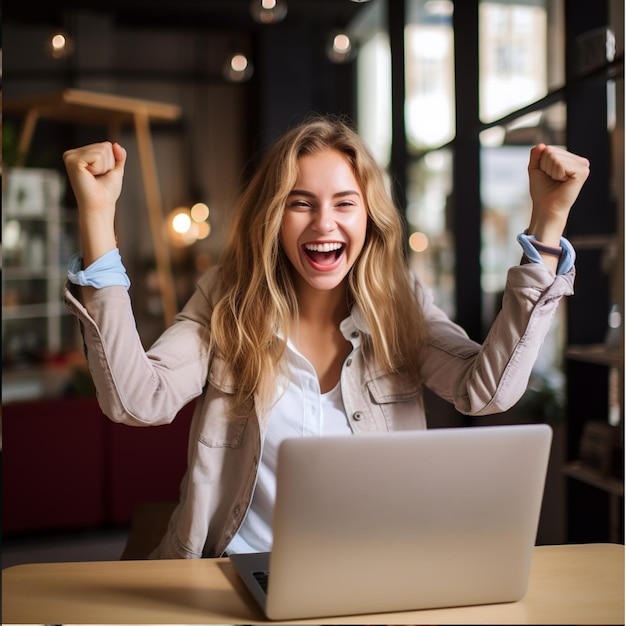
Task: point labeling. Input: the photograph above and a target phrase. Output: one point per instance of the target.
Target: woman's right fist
(95, 173)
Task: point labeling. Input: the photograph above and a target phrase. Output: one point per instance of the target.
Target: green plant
(10, 142)
(544, 398)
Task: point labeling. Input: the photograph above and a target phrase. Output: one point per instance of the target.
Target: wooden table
(569, 584)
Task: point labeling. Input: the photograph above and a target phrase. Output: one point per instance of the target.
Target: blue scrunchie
(566, 259)
(107, 271)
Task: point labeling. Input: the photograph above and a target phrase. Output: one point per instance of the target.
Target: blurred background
(450, 96)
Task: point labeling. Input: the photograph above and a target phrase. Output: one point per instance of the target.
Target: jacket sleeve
(490, 378)
(140, 387)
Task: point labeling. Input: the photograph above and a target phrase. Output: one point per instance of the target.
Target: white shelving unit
(38, 237)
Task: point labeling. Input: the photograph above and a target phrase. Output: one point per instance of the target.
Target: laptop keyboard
(261, 578)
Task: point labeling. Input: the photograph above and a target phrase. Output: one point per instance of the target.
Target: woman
(310, 325)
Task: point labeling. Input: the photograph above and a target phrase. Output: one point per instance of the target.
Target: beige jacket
(145, 388)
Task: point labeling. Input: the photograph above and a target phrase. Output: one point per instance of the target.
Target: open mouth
(324, 253)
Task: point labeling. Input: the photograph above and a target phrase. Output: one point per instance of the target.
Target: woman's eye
(298, 204)
(345, 205)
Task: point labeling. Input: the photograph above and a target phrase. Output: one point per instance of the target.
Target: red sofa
(66, 466)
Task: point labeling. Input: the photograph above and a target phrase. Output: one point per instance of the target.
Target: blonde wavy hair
(254, 315)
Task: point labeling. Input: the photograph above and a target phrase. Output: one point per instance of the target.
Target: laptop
(401, 521)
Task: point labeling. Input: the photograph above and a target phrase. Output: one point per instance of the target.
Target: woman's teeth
(324, 253)
(323, 247)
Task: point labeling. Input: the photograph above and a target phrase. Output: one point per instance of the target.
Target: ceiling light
(238, 68)
(268, 11)
(340, 48)
(61, 45)
(183, 226)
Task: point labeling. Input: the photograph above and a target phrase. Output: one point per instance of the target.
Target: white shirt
(301, 410)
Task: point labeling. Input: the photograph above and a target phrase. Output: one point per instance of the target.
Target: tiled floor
(106, 545)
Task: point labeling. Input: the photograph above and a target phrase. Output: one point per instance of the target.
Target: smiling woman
(311, 325)
(324, 226)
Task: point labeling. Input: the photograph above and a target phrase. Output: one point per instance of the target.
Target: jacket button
(354, 334)
(348, 362)
(358, 416)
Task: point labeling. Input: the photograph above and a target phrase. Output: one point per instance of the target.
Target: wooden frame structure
(84, 107)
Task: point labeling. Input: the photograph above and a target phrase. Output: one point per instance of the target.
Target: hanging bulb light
(60, 45)
(184, 226)
(179, 228)
(200, 215)
(340, 48)
(238, 68)
(268, 11)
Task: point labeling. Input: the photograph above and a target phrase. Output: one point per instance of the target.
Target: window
(374, 95)
(521, 53)
(429, 59)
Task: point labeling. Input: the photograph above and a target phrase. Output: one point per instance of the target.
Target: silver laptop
(401, 521)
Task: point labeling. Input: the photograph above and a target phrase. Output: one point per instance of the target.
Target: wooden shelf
(593, 242)
(43, 309)
(592, 477)
(596, 353)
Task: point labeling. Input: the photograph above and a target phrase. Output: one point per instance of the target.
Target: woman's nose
(324, 221)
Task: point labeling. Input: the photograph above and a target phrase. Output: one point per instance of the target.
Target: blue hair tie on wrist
(531, 248)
